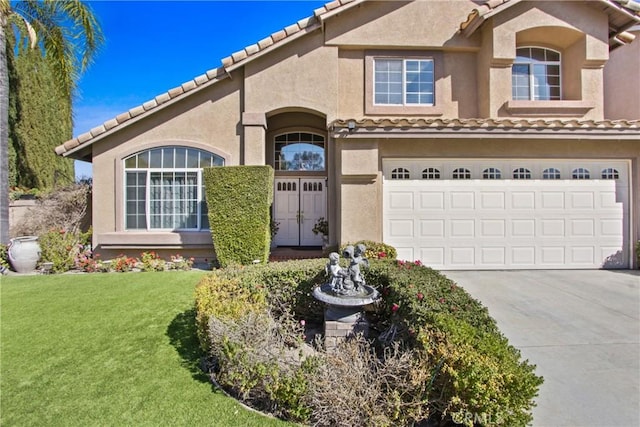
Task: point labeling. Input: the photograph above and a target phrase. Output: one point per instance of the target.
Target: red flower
(420, 296)
(418, 263)
(395, 307)
(441, 300)
(382, 255)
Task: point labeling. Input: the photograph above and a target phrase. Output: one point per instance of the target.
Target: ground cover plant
(114, 349)
(434, 354)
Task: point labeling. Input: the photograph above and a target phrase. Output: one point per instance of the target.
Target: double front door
(297, 206)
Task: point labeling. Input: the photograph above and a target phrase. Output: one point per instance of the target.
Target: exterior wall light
(351, 125)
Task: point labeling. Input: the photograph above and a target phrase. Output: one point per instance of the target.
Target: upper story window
(400, 173)
(536, 74)
(403, 82)
(299, 151)
(164, 189)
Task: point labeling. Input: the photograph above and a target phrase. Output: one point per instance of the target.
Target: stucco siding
(622, 82)
(302, 75)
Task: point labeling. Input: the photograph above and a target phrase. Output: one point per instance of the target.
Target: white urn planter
(24, 253)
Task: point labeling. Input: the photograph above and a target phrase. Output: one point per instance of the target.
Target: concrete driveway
(582, 330)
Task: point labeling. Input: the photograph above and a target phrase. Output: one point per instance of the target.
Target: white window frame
(531, 63)
(404, 82)
(149, 171)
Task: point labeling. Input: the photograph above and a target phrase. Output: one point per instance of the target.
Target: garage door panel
(523, 200)
(401, 200)
(523, 256)
(462, 200)
(492, 200)
(432, 228)
(431, 200)
(505, 223)
(400, 228)
(492, 228)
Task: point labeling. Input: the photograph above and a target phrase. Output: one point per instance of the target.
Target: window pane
(205, 160)
(130, 162)
(156, 158)
(192, 158)
(181, 158)
(167, 158)
(552, 55)
(538, 54)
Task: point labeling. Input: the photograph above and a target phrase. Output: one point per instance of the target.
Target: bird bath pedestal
(345, 297)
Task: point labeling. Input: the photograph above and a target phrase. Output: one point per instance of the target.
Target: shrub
(85, 260)
(178, 262)
(4, 256)
(375, 250)
(239, 200)
(64, 208)
(437, 353)
(122, 264)
(61, 247)
(479, 374)
(151, 261)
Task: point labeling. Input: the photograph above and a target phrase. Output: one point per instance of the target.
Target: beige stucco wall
(318, 77)
(207, 120)
(622, 81)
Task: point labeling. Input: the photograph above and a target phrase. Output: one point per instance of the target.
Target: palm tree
(68, 34)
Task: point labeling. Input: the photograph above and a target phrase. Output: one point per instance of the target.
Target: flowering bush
(123, 264)
(151, 261)
(85, 259)
(178, 262)
(61, 248)
(375, 250)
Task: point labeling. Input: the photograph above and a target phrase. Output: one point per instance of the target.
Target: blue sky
(153, 46)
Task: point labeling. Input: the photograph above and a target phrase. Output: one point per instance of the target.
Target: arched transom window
(299, 151)
(535, 74)
(164, 189)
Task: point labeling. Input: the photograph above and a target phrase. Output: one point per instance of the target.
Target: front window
(164, 189)
(536, 74)
(403, 82)
(299, 151)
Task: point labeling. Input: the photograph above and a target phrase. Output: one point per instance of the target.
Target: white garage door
(520, 214)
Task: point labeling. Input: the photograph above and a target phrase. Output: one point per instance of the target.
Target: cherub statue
(336, 272)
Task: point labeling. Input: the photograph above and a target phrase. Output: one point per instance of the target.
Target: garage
(461, 214)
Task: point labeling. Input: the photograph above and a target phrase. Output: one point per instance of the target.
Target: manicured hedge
(463, 368)
(239, 199)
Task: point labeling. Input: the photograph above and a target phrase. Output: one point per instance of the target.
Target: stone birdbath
(345, 296)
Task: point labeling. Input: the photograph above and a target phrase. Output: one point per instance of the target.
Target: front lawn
(106, 349)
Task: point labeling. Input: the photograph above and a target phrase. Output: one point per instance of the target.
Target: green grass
(107, 350)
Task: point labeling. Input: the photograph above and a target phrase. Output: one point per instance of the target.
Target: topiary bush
(239, 200)
(434, 352)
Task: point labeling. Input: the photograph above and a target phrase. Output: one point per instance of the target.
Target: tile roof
(229, 63)
(239, 58)
(622, 16)
(370, 125)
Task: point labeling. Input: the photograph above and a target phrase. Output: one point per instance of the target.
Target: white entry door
(298, 204)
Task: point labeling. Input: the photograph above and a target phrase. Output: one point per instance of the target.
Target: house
(500, 134)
